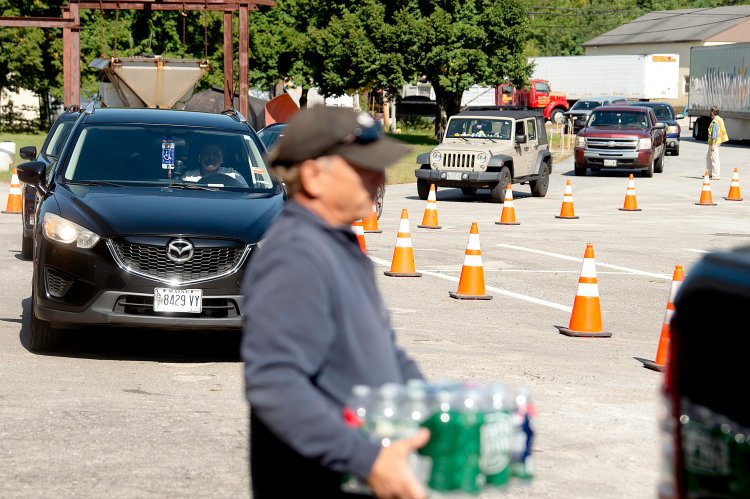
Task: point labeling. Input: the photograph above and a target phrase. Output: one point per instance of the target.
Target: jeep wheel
(540, 185)
(42, 336)
(469, 191)
(659, 165)
(497, 194)
(648, 172)
(423, 189)
(580, 170)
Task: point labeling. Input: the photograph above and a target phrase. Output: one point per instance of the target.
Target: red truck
(537, 95)
(621, 137)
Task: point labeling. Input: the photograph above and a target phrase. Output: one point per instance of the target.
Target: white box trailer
(719, 77)
(652, 76)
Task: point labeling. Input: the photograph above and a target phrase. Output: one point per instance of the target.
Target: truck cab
(539, 95)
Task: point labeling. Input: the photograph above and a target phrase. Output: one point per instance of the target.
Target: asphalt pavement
(136, 413)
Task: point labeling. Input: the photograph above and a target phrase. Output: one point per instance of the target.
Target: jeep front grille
(611, 145)
(151, 261)
(458, 160)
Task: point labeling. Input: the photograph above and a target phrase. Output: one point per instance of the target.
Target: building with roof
(675, 32)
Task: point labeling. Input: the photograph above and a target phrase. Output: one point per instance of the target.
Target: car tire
(42, 336)
(541, 184)
(379, 196)
(27, 248)
(659, 165)
(497, 194)
(554, 114)
(423, 189)
(579, 170)
(648, 172)
(469, 191)
(676, 150)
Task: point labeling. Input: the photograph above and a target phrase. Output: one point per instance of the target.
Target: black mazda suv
(148, 218)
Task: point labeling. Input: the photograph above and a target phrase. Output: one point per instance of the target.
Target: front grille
(150, 260)
(458, 160)
(214, 308)
(58, 282)
(611, 145)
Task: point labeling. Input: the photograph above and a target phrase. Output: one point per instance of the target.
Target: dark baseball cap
(326, 131)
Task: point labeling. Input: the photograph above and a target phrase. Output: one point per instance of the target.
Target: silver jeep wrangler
(488, 148)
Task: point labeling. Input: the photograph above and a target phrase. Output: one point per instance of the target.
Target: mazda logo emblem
(180, 250)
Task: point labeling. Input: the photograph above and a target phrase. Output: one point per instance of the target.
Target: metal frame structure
(70, 22)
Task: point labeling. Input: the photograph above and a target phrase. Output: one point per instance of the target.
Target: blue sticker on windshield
(167, 154)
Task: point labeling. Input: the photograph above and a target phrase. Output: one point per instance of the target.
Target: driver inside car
(211, 160)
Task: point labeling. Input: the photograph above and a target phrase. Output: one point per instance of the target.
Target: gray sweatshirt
(315, 325)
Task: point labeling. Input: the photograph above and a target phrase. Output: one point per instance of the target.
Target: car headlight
(436, 157)
(482, 158)
(673, 129)
(60, 230)
(644, 143)
(580, 141)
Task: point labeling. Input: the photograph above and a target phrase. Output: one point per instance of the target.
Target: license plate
(610, 162)
(178, 300)
(454, 176)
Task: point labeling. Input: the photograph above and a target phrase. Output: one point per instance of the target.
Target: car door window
(531, 130)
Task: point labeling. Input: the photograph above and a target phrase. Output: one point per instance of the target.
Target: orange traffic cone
(630, 202)
(508, 216)
(586, 318)
(471, 283)
(663, 348)
(14, 195)
(359, 231)
(706, 197)
(430, 218)
(567, 210)
(402, 264)
(371, 223)
(734, 188)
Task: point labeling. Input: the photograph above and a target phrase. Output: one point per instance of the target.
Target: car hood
(125, 211)
(473, 145)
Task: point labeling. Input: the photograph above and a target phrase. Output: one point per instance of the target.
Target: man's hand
(391, 477)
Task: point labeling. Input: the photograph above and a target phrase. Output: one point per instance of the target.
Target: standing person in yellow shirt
(717, 134)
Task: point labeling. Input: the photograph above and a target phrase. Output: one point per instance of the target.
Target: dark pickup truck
(621, 137)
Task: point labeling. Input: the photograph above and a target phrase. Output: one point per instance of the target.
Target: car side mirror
(679, 116)
(33, 173)
(28, 152)
(521, 139)
(660, 125)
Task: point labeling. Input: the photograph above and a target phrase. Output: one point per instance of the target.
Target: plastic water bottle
(496, 436)
(358, 406)
(441, 448)
(416, 411)
(469, 422)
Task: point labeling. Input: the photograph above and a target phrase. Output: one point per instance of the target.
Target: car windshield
(585, 105)
(57, 140)
(480, 127)
(168, 155)
(629, 119)
(269, 136)
(663, 113)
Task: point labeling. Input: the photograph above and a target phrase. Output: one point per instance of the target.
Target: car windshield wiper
(190, 186)
(94, 182)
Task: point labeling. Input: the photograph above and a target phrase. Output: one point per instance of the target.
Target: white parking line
(528, 271)
(574, 259)
(492, 289)
(696, 250)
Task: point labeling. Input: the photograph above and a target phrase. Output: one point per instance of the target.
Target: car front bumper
(76, 286)
(636, 160)
(467, 178)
